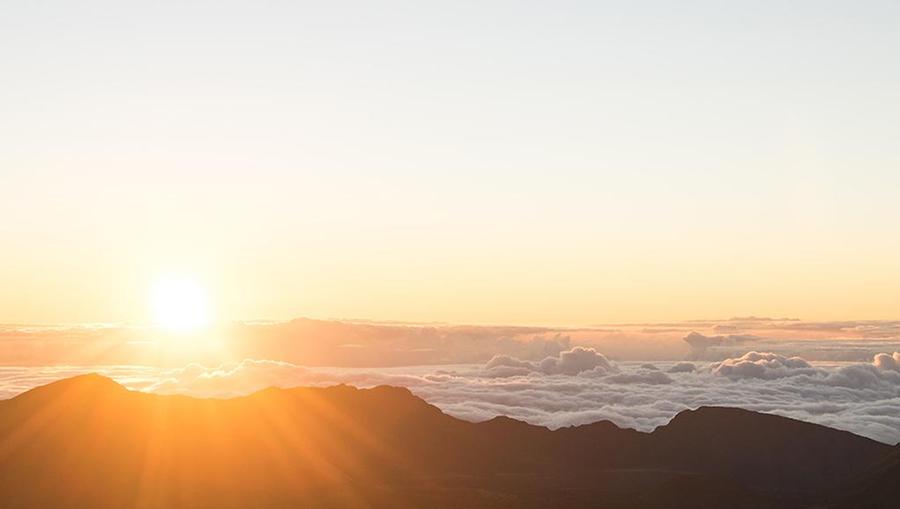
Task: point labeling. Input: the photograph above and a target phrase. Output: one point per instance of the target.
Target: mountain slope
(878, 487)
(766, 451)
(87, 442)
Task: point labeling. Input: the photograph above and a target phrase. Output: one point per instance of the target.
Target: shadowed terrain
(87, 442)
(875, 488)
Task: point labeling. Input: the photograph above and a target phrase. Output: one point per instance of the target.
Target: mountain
(877, 487)
(87, 442)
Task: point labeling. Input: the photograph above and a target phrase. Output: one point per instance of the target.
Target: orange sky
(471, 166)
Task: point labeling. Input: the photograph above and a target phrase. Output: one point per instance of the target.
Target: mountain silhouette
(877, 487)
(87, 442)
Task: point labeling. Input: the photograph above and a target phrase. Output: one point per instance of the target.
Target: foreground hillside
(87, 442)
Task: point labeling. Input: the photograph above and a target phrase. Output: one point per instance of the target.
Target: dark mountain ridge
(88, 442)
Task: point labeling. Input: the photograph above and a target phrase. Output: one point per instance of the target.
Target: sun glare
(180, 305)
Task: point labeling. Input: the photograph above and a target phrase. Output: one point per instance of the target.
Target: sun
(180, 305)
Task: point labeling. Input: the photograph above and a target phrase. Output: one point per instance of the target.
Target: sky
(480, 162)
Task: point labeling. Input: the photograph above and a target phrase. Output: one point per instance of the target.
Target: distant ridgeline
(87, 442)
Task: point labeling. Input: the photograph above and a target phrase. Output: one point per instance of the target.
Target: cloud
(507, 361)
(765, 365)
(887, 361)
(505, 365)
(881, 372)
(813, 341)
(884, 371)
(856, 397)
(300, 341)
(859, 376)
(641, 377)
(349, 343)
(576, 360)
(872, 329)
(700, 343)
(570, 362)
(683, 367)
(242, 378)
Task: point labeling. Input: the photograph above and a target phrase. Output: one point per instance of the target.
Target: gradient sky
(517, 162)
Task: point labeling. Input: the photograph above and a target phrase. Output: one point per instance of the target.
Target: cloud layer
(349, 343)
(575, 386)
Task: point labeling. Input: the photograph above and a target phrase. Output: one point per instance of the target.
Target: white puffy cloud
(771, 366)
(576, 360)
(887, 361)
(765, 365)
(570, 362)
(859, 376)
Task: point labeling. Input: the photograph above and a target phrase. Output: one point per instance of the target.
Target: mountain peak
(502, 420)
(83, 385)
(717, 414)
(87, 380)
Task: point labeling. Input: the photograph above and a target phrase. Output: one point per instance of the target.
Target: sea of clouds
(575, 386)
